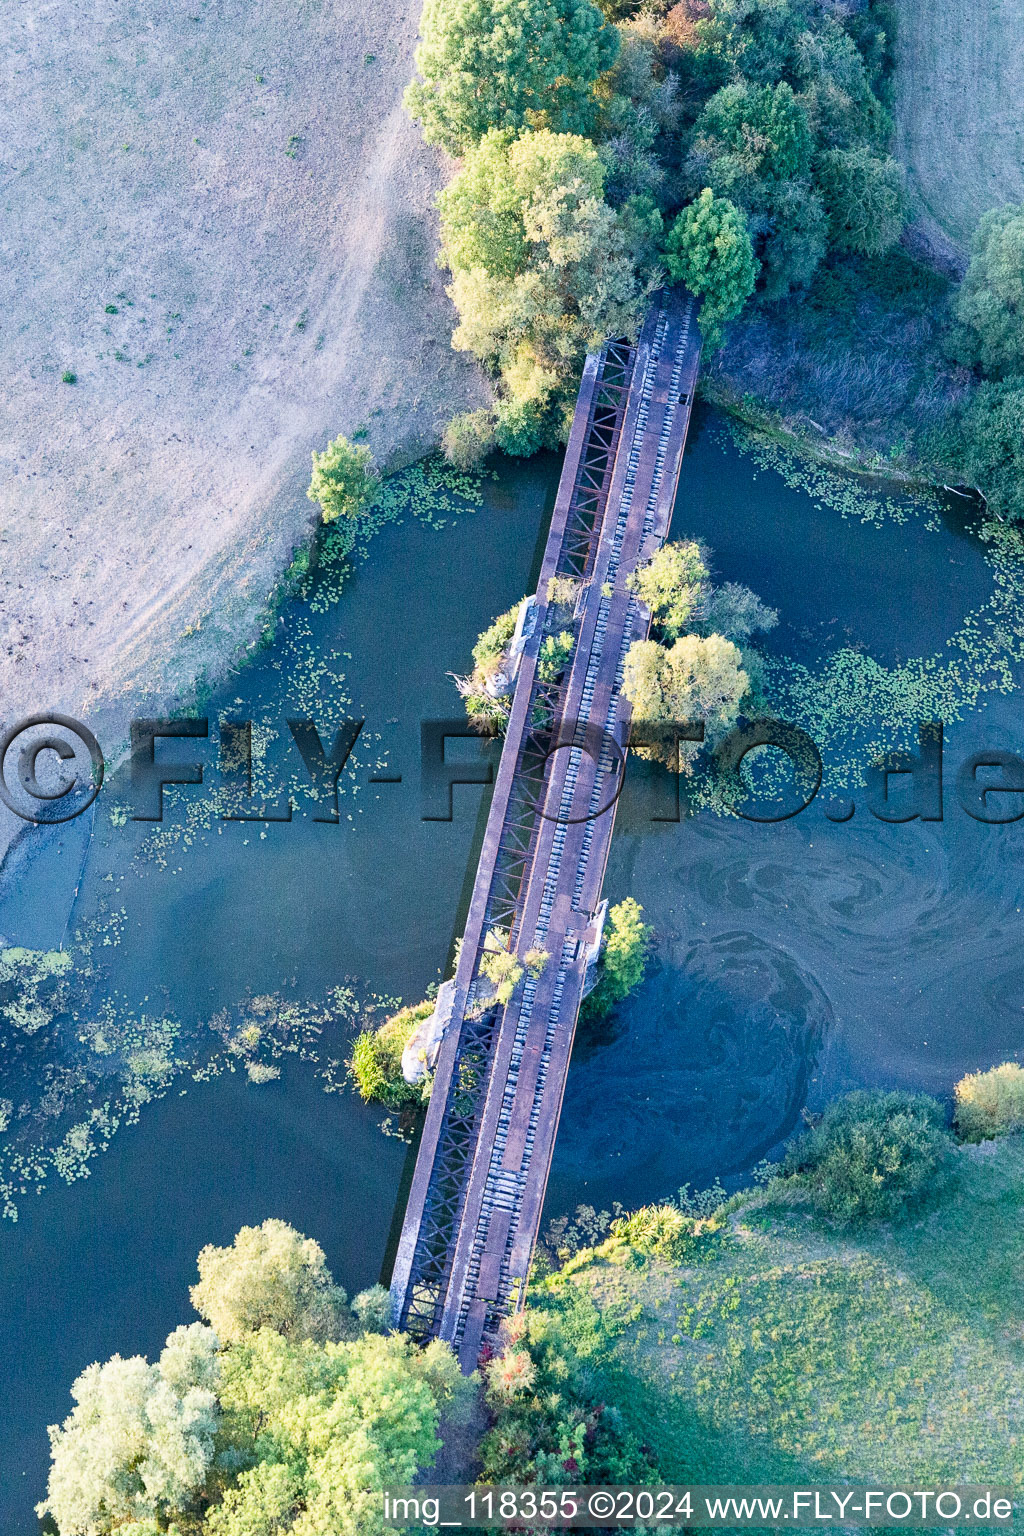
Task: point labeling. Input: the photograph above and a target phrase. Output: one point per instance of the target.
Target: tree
(789, 229)
(863, 197)
(760, 39)
(343, 479)
(321, 1429)
(674, 584)
(734, 611)
(260, 1435)
(835, 84)
(623, 962)
(708, 249)
(139, 1443)
(751, 134)
(990, 303)
(506, 64)
(640, 111)
(695, 679)
(992, 445)
(270, 1277)
(542, 270)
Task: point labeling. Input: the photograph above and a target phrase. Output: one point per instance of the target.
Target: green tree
(270, 1277)
(751, 134)
(674, 584)
(320, 1429)
(623, 962)
(695, 679)
(139, 1443)
(708, 249)
(542, 270)
(260, 1435)
(507, 64)
(789, 229)
(990, 303)
(992, 445)
(863, 195)
(759, 39)
(343, 479)
(640, 111)
(835, 86)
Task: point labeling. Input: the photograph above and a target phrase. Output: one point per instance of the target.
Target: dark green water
(792, 961)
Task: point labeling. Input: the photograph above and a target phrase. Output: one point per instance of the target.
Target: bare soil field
(218, 218)
(960, 109)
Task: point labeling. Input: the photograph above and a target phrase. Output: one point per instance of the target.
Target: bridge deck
(474, 1208)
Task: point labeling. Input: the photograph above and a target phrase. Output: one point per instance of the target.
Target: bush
(664, 1232)
(990, 304)
(549, 1422)
(343, 479)
(469, 438)
(487, 698)
(491, 644)
(623, 962)
(872, 1155)
(554, 656)
(990, 1103)
(991, 446)
(375, 1065)
(501, 968)
(863, 196)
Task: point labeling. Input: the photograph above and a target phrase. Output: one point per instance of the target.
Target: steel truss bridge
(475, 1204)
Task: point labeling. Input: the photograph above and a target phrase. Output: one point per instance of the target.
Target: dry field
(216, 215)
(960, 108)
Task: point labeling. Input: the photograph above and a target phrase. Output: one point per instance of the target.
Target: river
(792, 960)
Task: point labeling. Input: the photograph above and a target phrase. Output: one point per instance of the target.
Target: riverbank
(780, 1350)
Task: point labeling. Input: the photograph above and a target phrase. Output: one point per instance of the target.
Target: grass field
(795, 1355)
(218, 251)
(960, 107)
